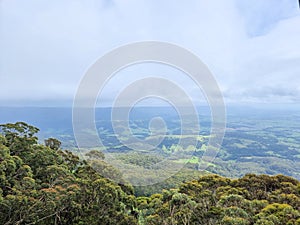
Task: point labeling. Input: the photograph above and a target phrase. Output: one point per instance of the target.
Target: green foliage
(212, 199)
(53, 143)
(139, 159)
(19, 137)
(279, 214)
(42, 184)
(94, 154)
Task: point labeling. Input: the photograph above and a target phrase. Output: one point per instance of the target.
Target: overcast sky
(252, 47)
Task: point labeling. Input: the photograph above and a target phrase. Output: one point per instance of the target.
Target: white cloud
(46, 46)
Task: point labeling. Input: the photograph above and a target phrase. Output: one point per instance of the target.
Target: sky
(251, 47)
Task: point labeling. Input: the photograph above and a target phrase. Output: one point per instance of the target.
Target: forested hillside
(43, 184)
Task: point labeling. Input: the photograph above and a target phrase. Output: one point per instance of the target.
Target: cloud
(271, 61)
(47, 46)
(262, 16)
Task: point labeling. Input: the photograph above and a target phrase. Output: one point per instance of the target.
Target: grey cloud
(47, 46)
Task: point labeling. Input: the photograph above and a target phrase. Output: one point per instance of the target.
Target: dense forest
(43, 184)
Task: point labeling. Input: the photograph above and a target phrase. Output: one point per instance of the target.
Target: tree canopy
(43, 184)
